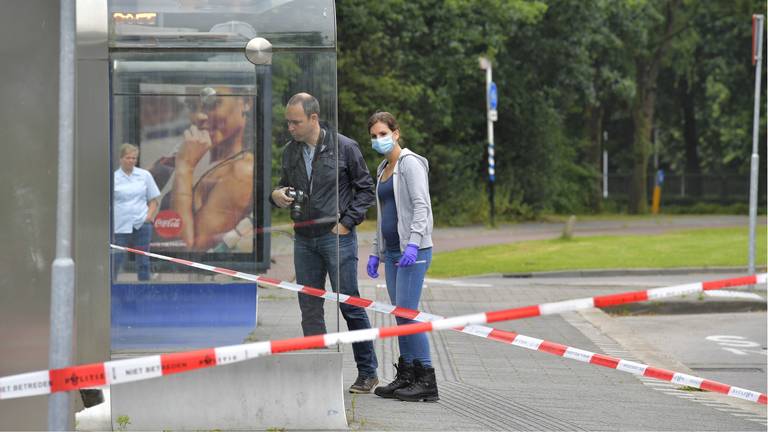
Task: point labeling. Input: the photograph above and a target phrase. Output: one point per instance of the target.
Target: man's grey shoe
(91, 397)
(364, 384)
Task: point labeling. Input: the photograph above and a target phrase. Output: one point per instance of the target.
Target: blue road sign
(493, 96)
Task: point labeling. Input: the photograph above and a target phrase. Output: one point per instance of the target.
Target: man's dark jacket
(356, 192)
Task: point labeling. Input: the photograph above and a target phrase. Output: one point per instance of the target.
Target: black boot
(424, 386)
(91, 397)
(403, 378)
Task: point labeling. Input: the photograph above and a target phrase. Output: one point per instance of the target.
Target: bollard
(568, 228)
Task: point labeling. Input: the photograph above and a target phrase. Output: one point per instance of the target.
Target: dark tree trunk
(647, 73)
(642, 117)
(594, 154)
(691, 138)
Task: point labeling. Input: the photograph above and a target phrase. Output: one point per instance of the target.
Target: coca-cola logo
(168, 224)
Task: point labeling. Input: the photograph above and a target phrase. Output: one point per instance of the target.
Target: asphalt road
(725, 347)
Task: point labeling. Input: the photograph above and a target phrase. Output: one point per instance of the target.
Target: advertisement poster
(197, 142)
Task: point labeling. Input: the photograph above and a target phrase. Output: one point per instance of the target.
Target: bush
(471, 205)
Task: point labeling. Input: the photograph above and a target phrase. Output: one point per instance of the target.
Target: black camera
(299, 202)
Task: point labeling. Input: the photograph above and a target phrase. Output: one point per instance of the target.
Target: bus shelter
(200, 88)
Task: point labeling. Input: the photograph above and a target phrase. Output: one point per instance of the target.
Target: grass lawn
(716, 247)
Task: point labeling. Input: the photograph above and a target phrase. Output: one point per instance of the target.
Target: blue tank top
(389, 214)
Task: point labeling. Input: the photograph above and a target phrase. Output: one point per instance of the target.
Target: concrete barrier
(293, 391)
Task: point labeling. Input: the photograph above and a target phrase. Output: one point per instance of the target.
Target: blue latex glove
(409, 256)
(373, 266)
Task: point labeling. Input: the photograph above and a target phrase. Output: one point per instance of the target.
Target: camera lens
(297, 208)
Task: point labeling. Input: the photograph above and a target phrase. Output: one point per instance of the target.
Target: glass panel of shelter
(312, 72)
(209, 128)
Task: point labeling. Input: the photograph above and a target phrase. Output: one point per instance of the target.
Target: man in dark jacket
(308, 186)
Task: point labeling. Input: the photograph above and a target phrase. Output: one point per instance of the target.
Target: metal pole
(491, 150)
(682, 184)
(655, 149)
(63, 268)
(755, 162)
(605, 165)
(605, 173)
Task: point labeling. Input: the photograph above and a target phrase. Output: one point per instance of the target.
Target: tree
(706, 91)
(418, 59)
(566, 70)
(647, 35)
(583, 53)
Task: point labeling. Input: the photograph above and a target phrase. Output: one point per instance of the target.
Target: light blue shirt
(309, 154)
(130, 199)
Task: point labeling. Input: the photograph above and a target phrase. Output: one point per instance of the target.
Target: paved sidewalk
(487, 385)
(447, 239)
(452, 238)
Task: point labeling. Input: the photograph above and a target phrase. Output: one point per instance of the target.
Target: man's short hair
(308, 103)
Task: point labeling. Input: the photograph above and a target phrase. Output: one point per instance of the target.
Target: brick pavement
(487, 385)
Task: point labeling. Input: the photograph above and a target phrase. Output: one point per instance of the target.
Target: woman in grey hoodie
(404, 242)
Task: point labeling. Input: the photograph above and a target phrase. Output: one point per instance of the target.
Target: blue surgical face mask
(383, 145)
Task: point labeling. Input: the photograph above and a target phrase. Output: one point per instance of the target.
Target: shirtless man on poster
(221, 198)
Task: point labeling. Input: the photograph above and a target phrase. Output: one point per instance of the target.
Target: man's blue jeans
(404, 286)
(138, 239)
(316, 257)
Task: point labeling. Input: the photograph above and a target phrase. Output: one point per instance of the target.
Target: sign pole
(491, 149)
(491, 96)
(757, 43)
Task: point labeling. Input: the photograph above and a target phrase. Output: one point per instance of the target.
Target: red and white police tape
(142, 368)
(517, 313)
(115, 372)
(517, 339)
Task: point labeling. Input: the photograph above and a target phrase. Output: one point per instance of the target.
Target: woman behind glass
(134, 207)
(404, 242)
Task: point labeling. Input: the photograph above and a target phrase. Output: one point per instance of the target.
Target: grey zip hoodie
(414, 207)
